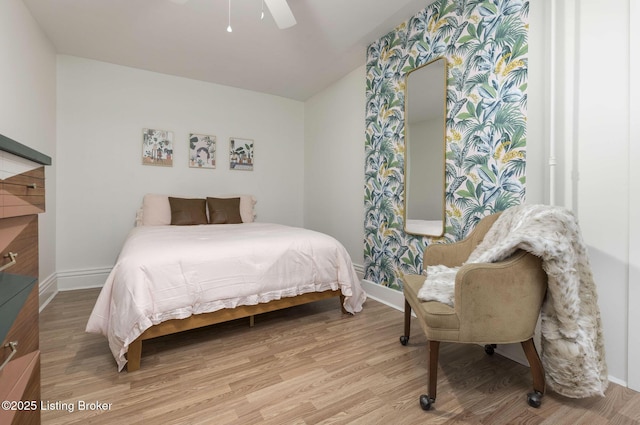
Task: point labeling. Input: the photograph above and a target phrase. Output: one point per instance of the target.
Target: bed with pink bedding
(173, 278)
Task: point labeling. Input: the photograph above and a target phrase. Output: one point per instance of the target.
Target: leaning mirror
(425, 108)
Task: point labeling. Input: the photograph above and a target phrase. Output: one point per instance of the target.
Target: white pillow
(156, 210)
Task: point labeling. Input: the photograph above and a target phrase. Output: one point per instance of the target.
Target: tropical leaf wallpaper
(485, 44)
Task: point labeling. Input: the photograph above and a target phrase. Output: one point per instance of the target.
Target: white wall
(537, 170)
(593, 146)
(603, 144)
(102, 109)
(634, 202)
(334, 162)
(28, 105)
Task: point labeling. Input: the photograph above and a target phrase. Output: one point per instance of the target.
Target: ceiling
(190, 40)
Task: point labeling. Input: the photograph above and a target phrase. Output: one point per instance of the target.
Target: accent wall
(485, 44)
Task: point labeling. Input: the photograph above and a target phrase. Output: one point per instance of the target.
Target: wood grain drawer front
(22, 194)
(19, 235)
(25, 329)
(20, 382)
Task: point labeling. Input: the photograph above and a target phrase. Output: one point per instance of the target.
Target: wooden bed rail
(173, 326)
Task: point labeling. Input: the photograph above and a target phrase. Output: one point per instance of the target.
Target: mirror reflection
(425, 106)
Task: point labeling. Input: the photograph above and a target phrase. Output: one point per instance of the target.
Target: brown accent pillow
(185, 212)
(224, 210)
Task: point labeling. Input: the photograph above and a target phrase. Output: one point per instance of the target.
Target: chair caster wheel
(534, 399)
(404, 340)
(426, 401)
(490, 349)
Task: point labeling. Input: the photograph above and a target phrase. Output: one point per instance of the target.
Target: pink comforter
(172, 272)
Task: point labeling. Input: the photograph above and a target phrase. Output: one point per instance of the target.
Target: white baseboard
(620, 382)
(70, 280)
(82, 278)
(383, 294)
(359, 270)
(513, 352)
(380, 293)
(48, 288)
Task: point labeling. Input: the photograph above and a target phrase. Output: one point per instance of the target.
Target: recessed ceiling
(190, 39)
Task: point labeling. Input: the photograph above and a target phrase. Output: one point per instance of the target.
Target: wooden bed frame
(199, 320)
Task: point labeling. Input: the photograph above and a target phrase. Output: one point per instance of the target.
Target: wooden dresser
(22, 194)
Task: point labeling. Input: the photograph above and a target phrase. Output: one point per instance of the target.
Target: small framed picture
(240, 154)
(202, 151)
(157, 147)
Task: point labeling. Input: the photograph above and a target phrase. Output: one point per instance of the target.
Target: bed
(171, 278)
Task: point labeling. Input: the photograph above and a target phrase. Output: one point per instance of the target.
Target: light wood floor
(305, 365)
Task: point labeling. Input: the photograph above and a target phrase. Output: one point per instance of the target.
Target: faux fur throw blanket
(573, 352)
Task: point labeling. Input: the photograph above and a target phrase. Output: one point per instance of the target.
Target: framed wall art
(240, 154)
(157, 147)
(202, 151)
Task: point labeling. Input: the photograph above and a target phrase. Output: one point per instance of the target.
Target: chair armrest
(454, 254)
(447, 254)
(500, 302)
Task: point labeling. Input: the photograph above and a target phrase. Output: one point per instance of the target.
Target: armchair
(494, 303)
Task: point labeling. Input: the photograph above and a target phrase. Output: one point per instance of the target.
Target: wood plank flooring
(305, 365)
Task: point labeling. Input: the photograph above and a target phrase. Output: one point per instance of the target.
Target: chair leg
(426, 400)
(404, 339)
(537, 373)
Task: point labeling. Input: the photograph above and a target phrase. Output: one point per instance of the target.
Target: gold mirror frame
(414, 224)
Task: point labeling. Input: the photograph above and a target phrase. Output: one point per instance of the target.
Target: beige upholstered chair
(496, 303)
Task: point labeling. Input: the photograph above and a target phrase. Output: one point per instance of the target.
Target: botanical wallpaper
(485, 44)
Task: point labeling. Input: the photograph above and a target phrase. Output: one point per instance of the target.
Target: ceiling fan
(279, 9)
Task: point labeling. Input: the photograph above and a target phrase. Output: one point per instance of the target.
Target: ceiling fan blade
(281, 13)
